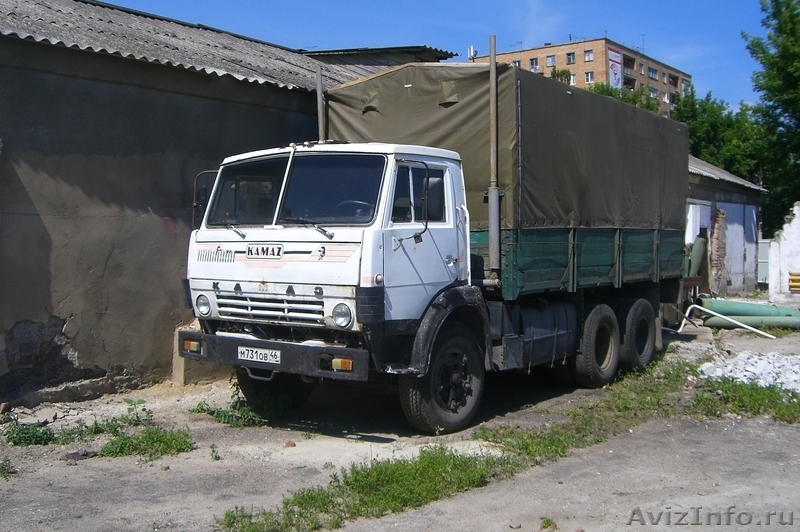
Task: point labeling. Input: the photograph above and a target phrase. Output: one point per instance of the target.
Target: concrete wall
(784, 257)
(98, 160)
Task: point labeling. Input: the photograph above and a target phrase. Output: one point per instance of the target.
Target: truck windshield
(330, 189)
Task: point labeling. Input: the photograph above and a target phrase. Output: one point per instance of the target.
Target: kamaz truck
(466, 218)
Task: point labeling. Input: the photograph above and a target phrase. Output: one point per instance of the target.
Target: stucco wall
(784, 257)
(98, 160)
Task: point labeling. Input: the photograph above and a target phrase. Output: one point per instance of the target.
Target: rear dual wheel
(639, 334)
(447, 397)
(597, 362)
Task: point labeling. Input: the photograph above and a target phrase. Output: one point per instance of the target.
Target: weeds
(372, 490)
(214, 453)
(717, 397)
(152, 442)
(6, 470)
(138, 415)
(238, 415)
(23, 435)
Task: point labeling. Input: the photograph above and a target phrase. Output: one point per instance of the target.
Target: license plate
(270, 356)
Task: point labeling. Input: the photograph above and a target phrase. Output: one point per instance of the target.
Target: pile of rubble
(765, 370)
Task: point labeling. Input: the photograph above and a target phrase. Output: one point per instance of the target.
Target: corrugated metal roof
(430, 54)
(104, 28)
(702, 168)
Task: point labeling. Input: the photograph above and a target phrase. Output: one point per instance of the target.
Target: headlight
(203, 305)
(341, 315)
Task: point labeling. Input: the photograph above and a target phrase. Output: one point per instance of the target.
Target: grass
(372, 490)
(151, 442)
(132, 434)
(238, 415)
(35, 434)
(718, 397)
(6, 469)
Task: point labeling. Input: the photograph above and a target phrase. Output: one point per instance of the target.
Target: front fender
(462, 303)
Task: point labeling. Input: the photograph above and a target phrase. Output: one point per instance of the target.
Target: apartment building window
(653, 92)
(641, 68)
(516, 63)
(572, 80)
(589, 76)
(534, 64)
(685, 87)
(551, 60)
(570, 58)
(652, 73)
(588, 55)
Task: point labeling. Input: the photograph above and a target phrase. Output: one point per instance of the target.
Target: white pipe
(737, 323)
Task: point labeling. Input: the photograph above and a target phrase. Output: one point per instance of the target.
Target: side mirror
(435, 199)
(200, 199)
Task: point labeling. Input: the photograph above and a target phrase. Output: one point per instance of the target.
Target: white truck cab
(320, 261)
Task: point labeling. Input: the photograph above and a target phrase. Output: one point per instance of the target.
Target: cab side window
(417, 198)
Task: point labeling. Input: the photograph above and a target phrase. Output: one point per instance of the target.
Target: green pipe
(698, 250)
(782, 322)
(741, 308)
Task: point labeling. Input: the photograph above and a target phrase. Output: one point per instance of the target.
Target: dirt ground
(665, 466)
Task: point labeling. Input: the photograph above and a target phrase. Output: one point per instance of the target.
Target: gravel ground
(662, 466)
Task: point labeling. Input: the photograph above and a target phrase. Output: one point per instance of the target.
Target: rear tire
(639, 336)
(447, 397)
(597, 362)
(273, 398)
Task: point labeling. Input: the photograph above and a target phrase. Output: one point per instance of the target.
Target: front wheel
(447, 397)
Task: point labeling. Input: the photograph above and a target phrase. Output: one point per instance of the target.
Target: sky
(700, 37)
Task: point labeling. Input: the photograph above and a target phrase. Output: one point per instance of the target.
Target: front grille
(271, 309)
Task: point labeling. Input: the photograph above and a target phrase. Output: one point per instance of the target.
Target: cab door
(421, 244)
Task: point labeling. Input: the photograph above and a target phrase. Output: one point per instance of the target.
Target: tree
(779, 109)
(638, 98)
(562, 75)
(734, 141)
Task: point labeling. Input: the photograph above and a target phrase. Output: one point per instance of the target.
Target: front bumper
(312, 360)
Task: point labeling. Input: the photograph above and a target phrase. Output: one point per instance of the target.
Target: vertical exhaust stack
(494, 192)
(320, 105)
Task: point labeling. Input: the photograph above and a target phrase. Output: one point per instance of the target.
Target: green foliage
(6, 469)
(138, 415)
(152, 442)
(370, 490)
(778, 81)
(238, 415)
(22, 435)
(214, 453)
(79, 432)
(562, 75)
(720, 396)
(548, 523)
(638, 97)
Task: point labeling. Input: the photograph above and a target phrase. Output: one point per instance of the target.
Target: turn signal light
(191, 345)
(342, 364)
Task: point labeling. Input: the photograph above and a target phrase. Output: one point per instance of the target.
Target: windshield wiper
(303, 221)
(236, 230)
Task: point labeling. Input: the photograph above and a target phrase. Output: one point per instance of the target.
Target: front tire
(597, 362)
(273, 398)
(447, 397)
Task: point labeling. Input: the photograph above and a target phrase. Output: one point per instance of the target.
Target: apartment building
(603, 61)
